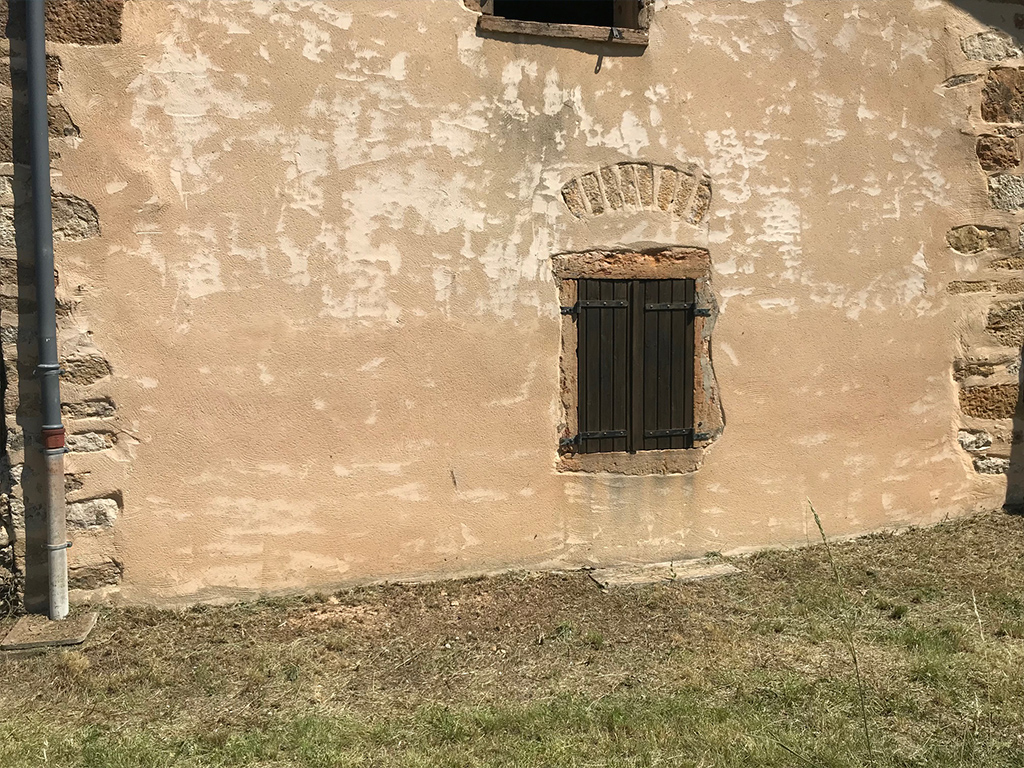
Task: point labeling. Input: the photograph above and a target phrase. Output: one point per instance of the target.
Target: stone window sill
(615, 35)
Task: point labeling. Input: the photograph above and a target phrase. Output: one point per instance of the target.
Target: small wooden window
(635, 355)
(616, 21)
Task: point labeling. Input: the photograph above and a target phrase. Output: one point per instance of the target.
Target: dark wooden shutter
(603, 353)
(635, 354)
(666, 335)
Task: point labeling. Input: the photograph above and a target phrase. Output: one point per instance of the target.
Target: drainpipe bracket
(54, 438)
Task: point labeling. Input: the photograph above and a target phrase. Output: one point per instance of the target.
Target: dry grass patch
(529, 670)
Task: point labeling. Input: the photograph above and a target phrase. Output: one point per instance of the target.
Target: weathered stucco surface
(323, 283)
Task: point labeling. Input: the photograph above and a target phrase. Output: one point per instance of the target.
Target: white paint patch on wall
(470, 47)
(177, 98)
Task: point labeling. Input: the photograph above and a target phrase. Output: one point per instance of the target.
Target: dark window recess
(635, 353)
(594, 13)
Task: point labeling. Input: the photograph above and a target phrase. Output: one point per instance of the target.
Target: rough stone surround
(708, 416)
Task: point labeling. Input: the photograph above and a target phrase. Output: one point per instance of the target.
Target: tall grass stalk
(848, 637)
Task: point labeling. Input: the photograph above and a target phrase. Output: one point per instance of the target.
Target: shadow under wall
(26, 343)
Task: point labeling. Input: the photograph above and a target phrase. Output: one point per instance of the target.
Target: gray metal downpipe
(48, 369)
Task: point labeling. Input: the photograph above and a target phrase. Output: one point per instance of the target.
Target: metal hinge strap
(602, 435)
(567, 442)
(667, 432)
(702, 437)
(594, 304)
(668, 305)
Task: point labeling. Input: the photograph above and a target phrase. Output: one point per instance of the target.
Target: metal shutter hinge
(594, 304)
(668, 306)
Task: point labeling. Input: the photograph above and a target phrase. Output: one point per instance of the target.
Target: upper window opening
(613, 21)
(596, 13)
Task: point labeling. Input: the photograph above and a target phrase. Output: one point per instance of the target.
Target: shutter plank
(689, 343)
(636, 338)
(607, 353)
(677, 322)
(650, 365)
(589, 334)
(620, 359)
(665, 357)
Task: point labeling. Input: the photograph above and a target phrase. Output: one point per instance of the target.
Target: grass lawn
(523, 670)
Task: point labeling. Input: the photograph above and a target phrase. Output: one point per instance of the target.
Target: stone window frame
(679, 262)
(631, 36)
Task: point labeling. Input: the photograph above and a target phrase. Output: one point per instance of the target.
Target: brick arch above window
(684, 193)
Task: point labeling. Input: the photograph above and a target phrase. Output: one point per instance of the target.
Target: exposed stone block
(17, 305)
(86, 369)
(991, 465)
(997, 153)
(9, 272)
(668, 180)
(74, 219)
(969, 286)
(612, 191)
(1015, 285)
(90, 442)
(701, 202)
(974, 441)
(957, 80)
(94, 408)
(1006, 192)
(684, 193)
(1010, 263)
(628, 181)
(994, 402)
(92, 514)
(1002, 99)
(592, 189)
(74, 481)
(84, 22)
(573, 197)
(14, 75)
(972, 238)
(1006, 323)
(106, 573)
(15, 439)
(61, 125)
(8, 237)
(990, 45)
(645, 183)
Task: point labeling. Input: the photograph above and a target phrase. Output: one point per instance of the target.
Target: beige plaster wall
(323, 282)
